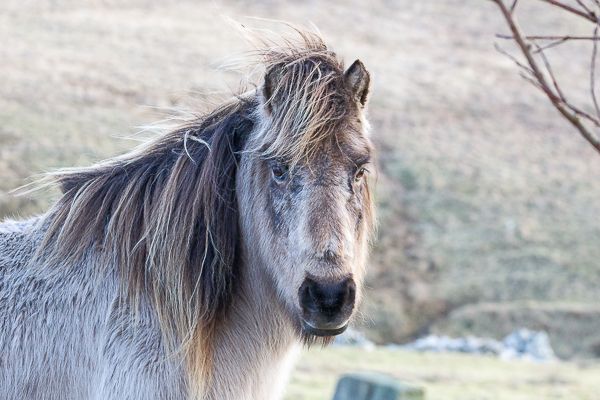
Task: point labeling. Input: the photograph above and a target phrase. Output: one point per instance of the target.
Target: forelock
(306, 99)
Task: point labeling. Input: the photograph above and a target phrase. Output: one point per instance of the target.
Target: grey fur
(68, 336)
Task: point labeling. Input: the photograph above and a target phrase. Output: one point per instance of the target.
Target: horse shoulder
(65, 332)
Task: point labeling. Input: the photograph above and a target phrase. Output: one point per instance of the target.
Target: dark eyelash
(362, 165)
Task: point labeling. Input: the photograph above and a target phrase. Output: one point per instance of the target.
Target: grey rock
(527, 344)
(520, 344)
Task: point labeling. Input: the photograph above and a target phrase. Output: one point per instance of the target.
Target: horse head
(306, 208)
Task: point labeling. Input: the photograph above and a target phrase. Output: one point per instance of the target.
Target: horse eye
(360, 173)
(278, 172)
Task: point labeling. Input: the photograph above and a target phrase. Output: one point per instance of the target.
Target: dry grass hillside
(485, 194)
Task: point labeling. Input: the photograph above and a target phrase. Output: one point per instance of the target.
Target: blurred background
(488, 200)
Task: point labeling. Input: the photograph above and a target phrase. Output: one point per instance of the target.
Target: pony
(196, 266)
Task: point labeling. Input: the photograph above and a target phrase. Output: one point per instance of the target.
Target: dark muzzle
(326, 307)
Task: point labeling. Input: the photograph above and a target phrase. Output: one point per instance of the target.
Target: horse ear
(270, 88)
(359, 79)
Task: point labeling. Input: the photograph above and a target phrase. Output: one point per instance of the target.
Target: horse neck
(258, 310)
(256, 346)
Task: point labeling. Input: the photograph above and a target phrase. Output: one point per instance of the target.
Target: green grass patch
(446, 376)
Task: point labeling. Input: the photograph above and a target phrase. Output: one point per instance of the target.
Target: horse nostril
(329, 299)
(307, 295)
(350, 293)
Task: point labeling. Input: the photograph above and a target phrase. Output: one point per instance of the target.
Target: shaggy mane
(166, 215)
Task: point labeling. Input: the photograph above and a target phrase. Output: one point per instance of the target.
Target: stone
(526, 344)
(522, 344)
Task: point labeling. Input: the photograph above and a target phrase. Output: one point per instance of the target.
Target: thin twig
(593, 72)
(583, 114)
(553, 97)
(577, 111)
(551, 73)
(525, 47)
(582, 4)
(549, 46)
(558, 39)
(519, 64)
(589, 16)
(514, 5)
(551, 37)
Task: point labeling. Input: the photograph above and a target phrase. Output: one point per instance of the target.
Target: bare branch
(589, 16)
(549, 69)
(525, 47)
(519, 64)
(583, 114)
(582, 4)
(558, 39)
(537, 78)
(577, 111)
(514, 5)
(551, 37)
(593, 73)
(549, 46)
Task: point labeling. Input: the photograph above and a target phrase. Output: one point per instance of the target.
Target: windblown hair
(166, 214)
(305, 96)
